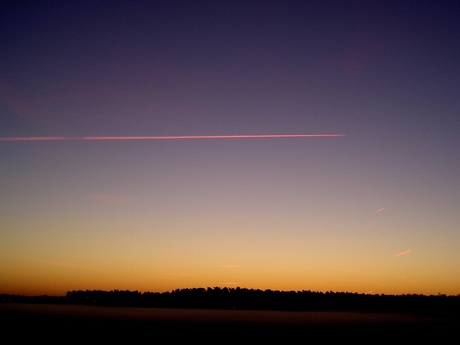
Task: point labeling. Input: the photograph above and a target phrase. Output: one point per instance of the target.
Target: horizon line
(170, 137)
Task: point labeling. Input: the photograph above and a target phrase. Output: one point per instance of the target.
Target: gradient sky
(374, 210)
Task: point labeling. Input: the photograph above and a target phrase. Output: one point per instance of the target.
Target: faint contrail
(403, 253)
(174, 137)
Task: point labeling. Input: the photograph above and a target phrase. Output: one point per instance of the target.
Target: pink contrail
(174, 137)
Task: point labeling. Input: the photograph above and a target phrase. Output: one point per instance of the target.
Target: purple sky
(374, 210)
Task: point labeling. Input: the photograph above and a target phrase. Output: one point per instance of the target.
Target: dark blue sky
(168, 67)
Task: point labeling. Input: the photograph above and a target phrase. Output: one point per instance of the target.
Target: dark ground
(65, 323)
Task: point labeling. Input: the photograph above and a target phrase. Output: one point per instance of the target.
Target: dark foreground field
(63, 323)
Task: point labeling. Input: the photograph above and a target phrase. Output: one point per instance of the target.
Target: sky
(285, 145)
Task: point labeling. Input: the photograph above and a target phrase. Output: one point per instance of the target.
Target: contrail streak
(174, 137)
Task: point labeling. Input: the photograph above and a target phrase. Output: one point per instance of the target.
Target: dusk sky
(284, 145)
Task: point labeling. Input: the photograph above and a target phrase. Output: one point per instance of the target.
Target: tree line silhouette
(255, 299)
